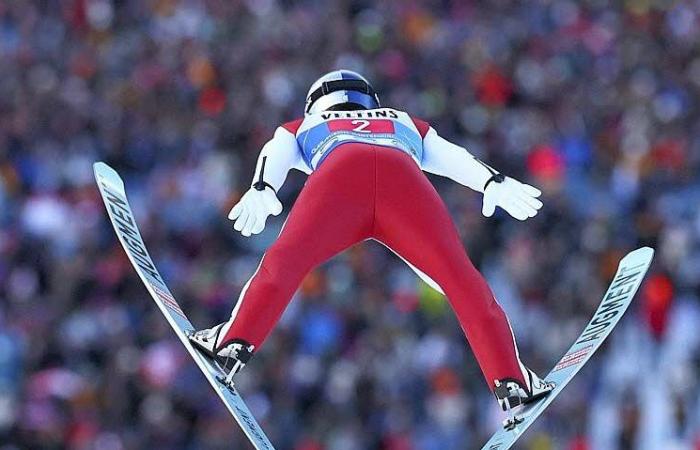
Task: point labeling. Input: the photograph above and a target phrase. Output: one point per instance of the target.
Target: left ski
(114, 197)
(629, 276)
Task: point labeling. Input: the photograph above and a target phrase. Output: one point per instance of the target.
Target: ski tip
(104, 173)
(644, 253)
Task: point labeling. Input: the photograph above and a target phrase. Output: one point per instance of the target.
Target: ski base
(617, 299)
(112, 191)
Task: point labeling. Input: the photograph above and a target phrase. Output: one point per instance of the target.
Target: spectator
(594, 102)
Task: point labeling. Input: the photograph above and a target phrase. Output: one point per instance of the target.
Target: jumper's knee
(267, 284)
(279, 272)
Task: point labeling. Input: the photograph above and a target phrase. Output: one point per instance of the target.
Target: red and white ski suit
(366, 182)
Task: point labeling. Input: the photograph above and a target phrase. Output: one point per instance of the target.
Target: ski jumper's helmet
(340, 90)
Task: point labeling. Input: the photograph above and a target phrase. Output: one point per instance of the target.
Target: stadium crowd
(595, 102)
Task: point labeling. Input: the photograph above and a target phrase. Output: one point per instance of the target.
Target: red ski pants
(363, 192)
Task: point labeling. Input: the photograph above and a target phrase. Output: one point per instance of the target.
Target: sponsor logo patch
(168, 300)
(572, 359)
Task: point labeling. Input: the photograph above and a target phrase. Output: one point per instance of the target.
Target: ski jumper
(366, 183)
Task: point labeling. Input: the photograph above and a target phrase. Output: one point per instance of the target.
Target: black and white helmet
(340, 87)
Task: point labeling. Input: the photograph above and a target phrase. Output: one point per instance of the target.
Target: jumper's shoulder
(293, 125)
(421, 125)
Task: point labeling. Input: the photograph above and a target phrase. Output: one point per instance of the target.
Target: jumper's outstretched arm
(442, 157)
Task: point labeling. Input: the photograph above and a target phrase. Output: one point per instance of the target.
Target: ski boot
(230, 356)
(512, 394)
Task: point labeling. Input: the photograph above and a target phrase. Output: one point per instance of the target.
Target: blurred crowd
(595, 102)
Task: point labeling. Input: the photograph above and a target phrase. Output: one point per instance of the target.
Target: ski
(618, 297)
(112, 190)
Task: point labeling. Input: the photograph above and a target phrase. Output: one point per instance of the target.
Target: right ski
(627, 280)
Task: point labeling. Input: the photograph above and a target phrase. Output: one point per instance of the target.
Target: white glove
(250, 213)
(518, 199)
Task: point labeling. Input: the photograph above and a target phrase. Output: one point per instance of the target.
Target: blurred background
(595, 102)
